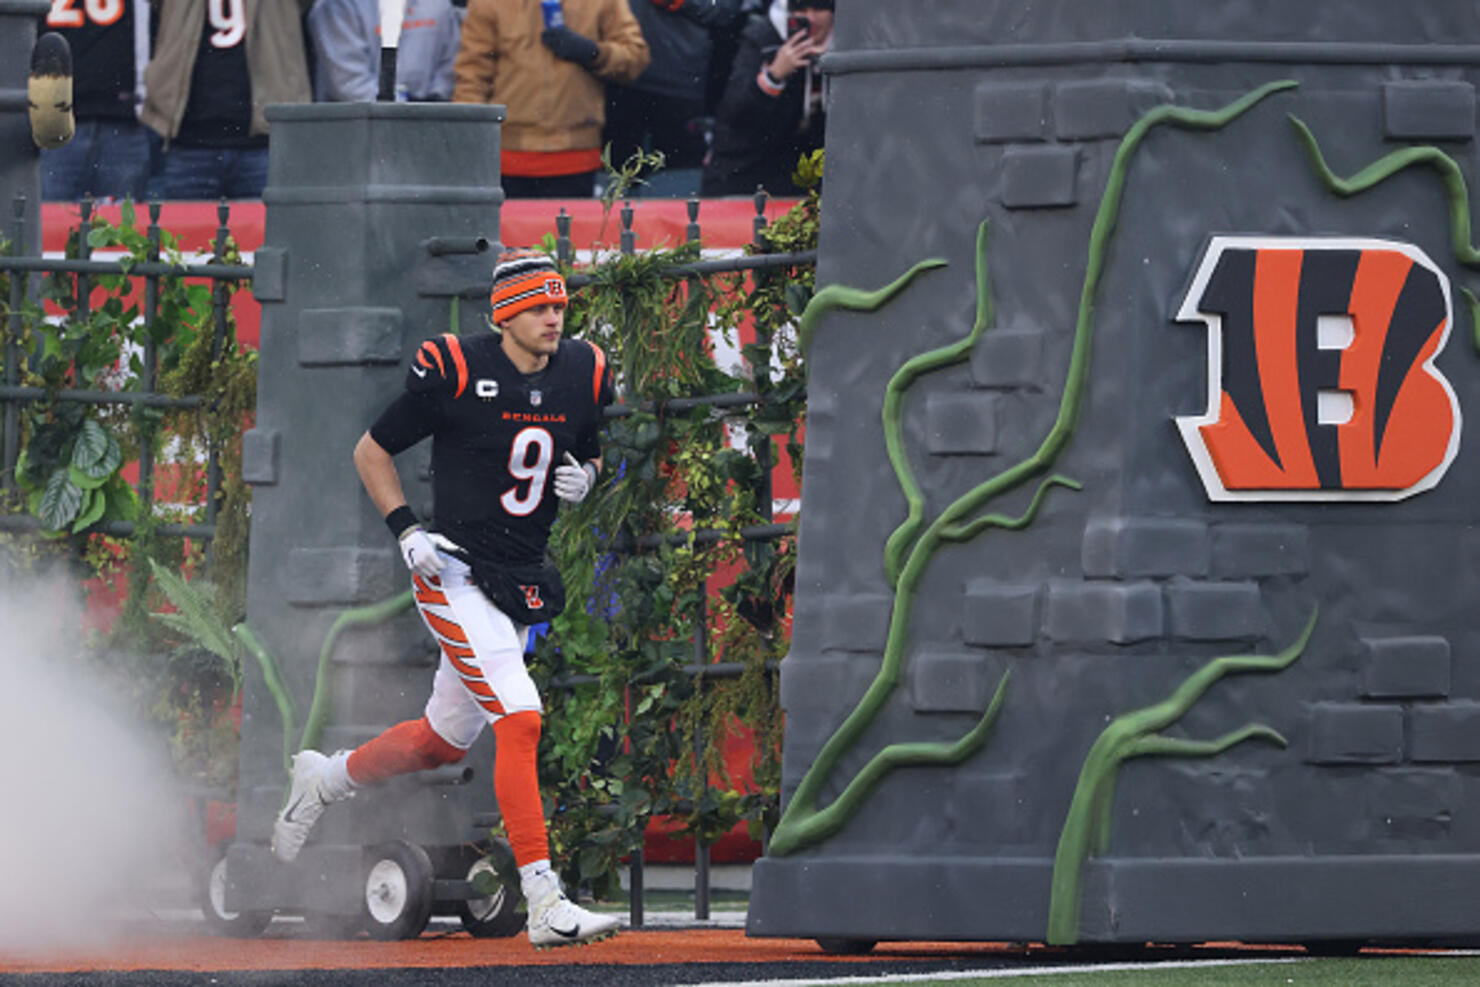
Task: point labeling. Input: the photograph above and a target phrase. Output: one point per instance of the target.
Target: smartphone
(797, 22)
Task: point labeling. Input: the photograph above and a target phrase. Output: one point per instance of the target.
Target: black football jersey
(497, 436)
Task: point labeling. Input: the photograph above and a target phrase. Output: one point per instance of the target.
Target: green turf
(1365, 971)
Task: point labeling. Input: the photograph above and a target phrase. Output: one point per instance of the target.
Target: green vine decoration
(837, 296)
(277, 687)
(912, 551)
(323, 691)
(1086, 830)
(1389, 165)
(630, 733)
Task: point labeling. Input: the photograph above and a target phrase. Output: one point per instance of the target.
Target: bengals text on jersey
(497, 436)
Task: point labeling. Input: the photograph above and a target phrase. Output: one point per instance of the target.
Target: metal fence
(151, 272)
(222, 276)
(760, 264)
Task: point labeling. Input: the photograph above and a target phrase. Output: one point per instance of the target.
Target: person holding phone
(774, 104)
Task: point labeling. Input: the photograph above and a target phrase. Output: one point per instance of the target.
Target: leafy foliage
(105, 333)
(632, 733)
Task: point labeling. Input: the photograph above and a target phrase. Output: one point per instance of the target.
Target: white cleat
(307, 800)
(555, 920)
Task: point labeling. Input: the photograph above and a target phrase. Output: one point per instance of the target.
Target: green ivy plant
(631, 734)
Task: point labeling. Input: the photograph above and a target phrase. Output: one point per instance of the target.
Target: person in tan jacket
(216, 67)
(550, 79)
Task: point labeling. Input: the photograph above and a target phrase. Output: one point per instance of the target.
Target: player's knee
(433, 750)
(519, 731)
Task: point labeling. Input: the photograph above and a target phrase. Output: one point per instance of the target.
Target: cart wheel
(496, 916)
(837, 946)
(212, 893)
(398, 890)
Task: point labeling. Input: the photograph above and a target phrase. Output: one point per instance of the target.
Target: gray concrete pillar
(349, 288)
(20, 171)
(1349, 811)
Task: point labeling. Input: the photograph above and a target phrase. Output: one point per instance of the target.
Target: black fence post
(18, 287)
(84, 252)
(563, 252)
(219, 314)
(146, 373)
(701, 658)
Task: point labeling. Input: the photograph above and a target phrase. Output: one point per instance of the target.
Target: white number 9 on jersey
(529, 462)
(229, 21)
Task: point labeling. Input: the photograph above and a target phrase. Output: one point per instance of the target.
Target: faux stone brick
(822, 409)
(1347, 733)
(1100, 108)
(349, 336)
(988, 809)
(1011, 113)
(1247, 551)
(855, 623)
(1410, 803)
(828, 683)
(1432, 109)
(961, 424)
(1199, 611)
(1039, 177)
(1007, 358)
(323, 576)
(1120, 613)
(1118, 547)
(269, 274)
(260, 455)
(951, 683)
(1445, 733)
(1406, 667)
(994, 615)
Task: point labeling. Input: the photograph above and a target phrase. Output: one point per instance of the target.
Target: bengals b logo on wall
(1321, 376)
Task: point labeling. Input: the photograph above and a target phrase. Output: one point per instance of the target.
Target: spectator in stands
(664, 109)
(772, 110)
(217, 65)
(108, 157)
(346, 44)
(550, 79)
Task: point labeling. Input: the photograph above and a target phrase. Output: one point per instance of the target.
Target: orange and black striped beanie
(523, 279)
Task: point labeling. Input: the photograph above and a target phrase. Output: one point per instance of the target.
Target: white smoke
(91, 826)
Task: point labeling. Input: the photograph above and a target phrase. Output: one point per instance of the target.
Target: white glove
(420, 552)
(573, 480)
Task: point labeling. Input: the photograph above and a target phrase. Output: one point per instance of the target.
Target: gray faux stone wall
(1366, 822)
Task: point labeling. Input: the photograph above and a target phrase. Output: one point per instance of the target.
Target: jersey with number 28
(497, 436)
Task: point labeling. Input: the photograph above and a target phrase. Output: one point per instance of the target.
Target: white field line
(1001, 974)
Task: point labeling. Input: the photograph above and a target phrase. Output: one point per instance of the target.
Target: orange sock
(516, 784)
(404, 748)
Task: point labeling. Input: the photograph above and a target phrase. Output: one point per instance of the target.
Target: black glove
(571, 46)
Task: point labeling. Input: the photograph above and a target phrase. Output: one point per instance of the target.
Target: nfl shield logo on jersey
(535, 397)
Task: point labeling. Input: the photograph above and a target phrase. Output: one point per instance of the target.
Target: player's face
(536, 331)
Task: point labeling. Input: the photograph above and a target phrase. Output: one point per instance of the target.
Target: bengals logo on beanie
(523, 279)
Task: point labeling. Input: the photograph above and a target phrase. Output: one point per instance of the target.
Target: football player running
(513, 416)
